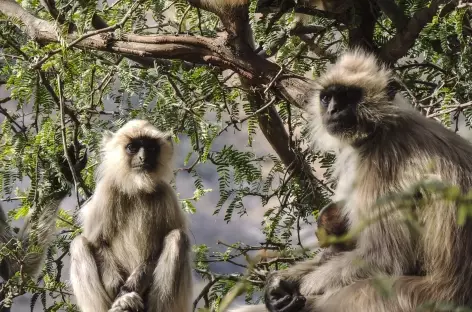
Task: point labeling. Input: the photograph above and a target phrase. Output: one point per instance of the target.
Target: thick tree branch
(195, 49)
(394, 13)
(274, 131)
(277, 6)
(235, 19)
(100, 23)
(365, 17)
(398, 46)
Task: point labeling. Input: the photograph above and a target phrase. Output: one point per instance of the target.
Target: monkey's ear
(107, 136)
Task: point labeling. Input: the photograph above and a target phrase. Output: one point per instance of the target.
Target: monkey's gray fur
(382, 148)
(38, 231)
(41, 223)
(134, 253)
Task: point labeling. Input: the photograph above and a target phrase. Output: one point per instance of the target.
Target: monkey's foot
(130, 302)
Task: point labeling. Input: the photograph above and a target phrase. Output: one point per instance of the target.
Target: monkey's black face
(339, 108)
(144, 153)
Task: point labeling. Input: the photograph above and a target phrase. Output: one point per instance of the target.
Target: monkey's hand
(129, 302)
(283, 295)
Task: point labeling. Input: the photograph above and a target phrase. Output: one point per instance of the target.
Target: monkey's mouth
(338, 125)
(145, 167)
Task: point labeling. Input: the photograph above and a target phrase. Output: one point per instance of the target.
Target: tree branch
(50, 6)
(201, 50)
(88, 35)
(365, 17)
(394, 13)
(100, 23)
(274, 131)
(398, 46)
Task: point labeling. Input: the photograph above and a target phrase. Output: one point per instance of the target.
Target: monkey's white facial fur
(136, 158)
(350, 102)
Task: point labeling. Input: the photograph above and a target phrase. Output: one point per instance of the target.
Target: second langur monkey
(382, 148)
(134, 253)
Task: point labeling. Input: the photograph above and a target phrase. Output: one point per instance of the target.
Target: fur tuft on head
(355, 68)
(116, 169)
(359, 68)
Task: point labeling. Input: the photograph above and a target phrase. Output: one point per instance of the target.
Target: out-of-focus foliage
(203, 103)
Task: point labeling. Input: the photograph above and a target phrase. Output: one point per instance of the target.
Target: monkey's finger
(280, 303)
(130, 302)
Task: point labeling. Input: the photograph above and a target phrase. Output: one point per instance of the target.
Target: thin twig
(273, 80)
(205, 290)
(183, 18)
(241, 121)
(450, 110)
(64, 141)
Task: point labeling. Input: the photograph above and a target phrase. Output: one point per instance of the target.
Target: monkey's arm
(333, 222)
(389, 253)
(173, 274)
(88, 288)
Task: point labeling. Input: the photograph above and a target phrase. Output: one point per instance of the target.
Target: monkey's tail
(38, 233)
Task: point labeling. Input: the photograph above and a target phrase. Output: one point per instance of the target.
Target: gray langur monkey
(134, 252)
(382, 148)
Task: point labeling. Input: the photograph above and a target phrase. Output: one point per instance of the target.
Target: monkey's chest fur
(135, 231)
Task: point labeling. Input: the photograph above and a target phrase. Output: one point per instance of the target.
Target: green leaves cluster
(203, 105)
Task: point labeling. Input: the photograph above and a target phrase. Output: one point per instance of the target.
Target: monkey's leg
(171, 289)
(86, 284)
(403, 294)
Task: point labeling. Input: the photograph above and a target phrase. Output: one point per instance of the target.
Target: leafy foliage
(205, 105)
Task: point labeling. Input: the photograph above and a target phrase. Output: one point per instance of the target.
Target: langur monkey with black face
(382, 148)
(134, 253)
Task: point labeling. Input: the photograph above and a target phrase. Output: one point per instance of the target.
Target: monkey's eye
(325, 98)
(132, 148)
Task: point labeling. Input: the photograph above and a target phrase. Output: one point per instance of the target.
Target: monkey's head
(136, 158)
(351, 100)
